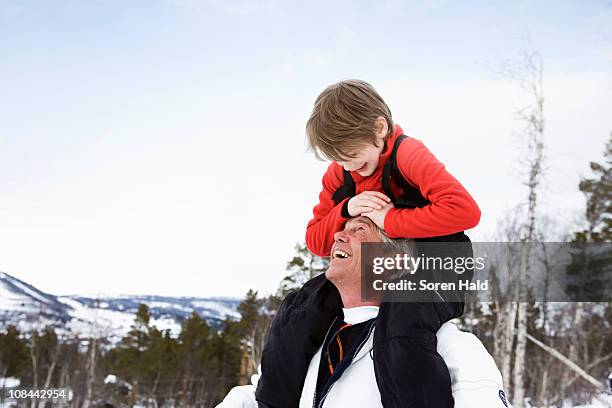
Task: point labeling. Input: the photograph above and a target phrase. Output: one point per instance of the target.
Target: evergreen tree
(598, 192)
(127, 359)
(193, 339)
(302, 267)
(138, 336)
(589, 272)
(14, 355)
(193, 356)
(249, 310)
(225, 356)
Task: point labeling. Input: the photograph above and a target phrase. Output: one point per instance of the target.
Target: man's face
(345, 262)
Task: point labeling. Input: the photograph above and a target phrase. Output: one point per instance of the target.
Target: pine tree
(193, 357)
(226, 353)
(127, 357)
(249, 310)
(589, 272)
(598, 192)
(138, 336)
(302, 267)
(13, 353)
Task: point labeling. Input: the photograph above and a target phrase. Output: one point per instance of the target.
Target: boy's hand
(378, 216)
(366, 202)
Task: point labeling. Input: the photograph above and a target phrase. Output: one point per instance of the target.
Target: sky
(158, 147)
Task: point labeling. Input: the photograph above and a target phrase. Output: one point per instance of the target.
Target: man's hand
(367, 202)
(378, 216)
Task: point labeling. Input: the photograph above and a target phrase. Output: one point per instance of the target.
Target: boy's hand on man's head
(378, 216)
(367, 202)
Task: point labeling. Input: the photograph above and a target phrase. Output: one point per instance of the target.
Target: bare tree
(504, 304)
(53, 360)
(569, 363)
(34, 359)
(99, 328)
(91, 368)
(528, 72)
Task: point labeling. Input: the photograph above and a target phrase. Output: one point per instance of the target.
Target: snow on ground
(9, 382)
(32, 293)
(96, 322)
(29, 310)
(165, 323)
(167, 305)
(602, 401)
(105, 322)
(9, 300)
(217, 307)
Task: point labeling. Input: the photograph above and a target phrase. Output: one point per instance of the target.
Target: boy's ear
(380, 124)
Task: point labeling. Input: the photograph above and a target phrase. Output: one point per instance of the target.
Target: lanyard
(327, 355)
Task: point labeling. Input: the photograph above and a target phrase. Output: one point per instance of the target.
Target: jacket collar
(359, 314)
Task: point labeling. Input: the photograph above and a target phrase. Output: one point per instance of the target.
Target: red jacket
(452, 209)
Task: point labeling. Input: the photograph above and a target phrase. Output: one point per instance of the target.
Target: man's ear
(380, 124)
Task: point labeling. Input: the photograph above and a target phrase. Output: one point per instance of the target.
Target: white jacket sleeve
(476, 380)
(242, 396)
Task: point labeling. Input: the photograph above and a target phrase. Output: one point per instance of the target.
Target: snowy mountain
(28, 308)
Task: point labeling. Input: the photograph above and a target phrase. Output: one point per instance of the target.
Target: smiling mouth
(362, 167)
(338, 253)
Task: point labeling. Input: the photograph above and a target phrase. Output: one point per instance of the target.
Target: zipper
(314, 399)
(357, 350)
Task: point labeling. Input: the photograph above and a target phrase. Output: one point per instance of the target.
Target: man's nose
(340, 236)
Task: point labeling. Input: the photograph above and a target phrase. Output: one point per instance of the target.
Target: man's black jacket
(409, 371)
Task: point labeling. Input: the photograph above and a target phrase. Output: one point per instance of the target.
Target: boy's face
(365, 161)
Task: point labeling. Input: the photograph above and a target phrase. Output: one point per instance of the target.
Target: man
(342, 372)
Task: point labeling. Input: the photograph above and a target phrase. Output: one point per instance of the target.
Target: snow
(9, 300)
(167, 324)
(110, 379)
(168, 305)
(21, 305)
(94, 322)
(30, 292)
(219, 308)
(602, 401)
(5, 297)
(9, 382)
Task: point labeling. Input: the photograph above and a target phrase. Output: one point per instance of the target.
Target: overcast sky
(157, 147)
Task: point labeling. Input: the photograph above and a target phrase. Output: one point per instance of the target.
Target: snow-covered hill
(28, 308)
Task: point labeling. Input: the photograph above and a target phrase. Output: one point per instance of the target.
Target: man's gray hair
(401, 246)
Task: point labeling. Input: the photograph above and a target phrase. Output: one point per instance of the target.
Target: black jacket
(409, 372)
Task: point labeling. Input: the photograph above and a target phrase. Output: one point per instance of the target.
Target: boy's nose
(348, 166)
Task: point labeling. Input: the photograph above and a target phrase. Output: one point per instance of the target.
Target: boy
(352, 126)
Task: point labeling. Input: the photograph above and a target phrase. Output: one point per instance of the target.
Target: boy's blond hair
(342, 120)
